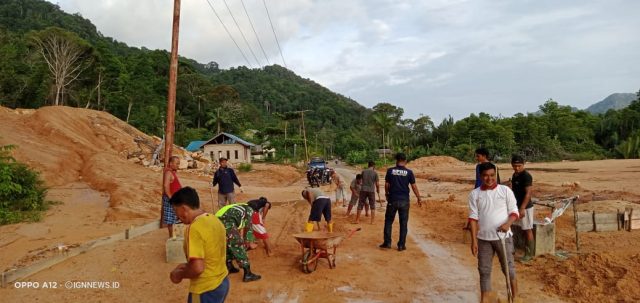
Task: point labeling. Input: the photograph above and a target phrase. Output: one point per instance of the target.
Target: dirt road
(435, 268)
(88, 159)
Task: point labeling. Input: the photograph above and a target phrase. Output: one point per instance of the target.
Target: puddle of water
(345, 288)
(281, 298)
(361, 300)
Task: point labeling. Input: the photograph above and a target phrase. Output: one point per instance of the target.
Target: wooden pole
(575, 219)
(304, 133)
(171, 94)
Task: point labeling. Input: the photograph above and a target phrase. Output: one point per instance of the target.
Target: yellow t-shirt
(206, 239)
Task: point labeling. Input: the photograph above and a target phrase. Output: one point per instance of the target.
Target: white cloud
(436, 57)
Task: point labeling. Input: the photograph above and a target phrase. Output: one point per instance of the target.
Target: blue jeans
(402, 208)
(217, 295)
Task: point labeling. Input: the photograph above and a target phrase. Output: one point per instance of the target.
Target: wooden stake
(575, 220)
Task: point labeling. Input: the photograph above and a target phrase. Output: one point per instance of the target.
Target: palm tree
(223, 115)
(382, 123)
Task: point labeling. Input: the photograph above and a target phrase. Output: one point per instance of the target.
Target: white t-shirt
(491, 208)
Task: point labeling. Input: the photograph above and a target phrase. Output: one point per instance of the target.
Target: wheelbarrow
(320, 244)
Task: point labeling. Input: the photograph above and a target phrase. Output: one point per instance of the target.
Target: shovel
(506, 264)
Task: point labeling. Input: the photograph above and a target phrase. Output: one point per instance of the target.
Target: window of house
(211, 155)
(236, 154)
(228, 155)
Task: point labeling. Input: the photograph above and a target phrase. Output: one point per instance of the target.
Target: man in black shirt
(225, 177)
(396, 189)
(522, 186)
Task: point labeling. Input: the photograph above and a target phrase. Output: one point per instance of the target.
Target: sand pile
(270, 175)
(435, 161)
(71, 144)
(594, 277)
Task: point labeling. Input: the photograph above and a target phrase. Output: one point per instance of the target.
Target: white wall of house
(235, 153)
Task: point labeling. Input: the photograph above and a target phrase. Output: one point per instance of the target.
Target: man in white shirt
(492, 209)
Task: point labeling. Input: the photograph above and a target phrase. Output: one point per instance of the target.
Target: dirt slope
(70, 144)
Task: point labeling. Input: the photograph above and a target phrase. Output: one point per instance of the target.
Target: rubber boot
(249, 276)
(330, 227)
(308, 227)
(232, 269)
(528, 251)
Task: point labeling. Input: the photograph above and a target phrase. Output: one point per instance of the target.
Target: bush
(22, 193)
(356, 157)
(244, 167)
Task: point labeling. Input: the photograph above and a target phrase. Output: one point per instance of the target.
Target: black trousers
(402, 208)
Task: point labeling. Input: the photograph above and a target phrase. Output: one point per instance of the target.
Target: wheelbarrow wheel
(307, 265)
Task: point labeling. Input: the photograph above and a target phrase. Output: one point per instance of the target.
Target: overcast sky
(434, 57)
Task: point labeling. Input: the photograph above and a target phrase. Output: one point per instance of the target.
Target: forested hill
(131, 83)
(267, 104)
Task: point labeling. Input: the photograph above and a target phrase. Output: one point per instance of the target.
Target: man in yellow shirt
(205, 248)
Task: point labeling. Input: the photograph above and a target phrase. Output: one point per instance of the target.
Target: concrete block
(584, 217)
(585, 227)
(545, 236)
(584, 221)
(135, 231)
(606, 227)
(175, 250)
(606, 222)
(606, 218)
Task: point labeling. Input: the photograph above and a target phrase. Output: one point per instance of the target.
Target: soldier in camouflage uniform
(237, 220)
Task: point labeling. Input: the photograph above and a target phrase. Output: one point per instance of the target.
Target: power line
(241, 33)
(254, 32)
(229, 33)
(274, 32)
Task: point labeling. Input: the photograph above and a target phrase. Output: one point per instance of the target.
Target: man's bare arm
(416, 192)
(474, 237)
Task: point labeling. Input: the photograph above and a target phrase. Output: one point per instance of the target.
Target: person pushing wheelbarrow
(492, 210)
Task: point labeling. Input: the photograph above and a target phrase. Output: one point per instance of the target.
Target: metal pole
(171, 94)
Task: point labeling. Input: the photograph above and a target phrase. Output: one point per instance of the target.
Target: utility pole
(304, 133)
(285, 137)
(171, 94)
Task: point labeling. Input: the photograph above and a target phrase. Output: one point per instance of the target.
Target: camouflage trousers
(236, 249)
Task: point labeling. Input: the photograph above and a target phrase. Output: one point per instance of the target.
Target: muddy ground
(101, 196)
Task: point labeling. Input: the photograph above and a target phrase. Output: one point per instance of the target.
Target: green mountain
(131, 83)
(614, 101)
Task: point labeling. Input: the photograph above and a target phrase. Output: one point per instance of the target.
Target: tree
(224, 116)
(423, 129)
(196, 87)
(385, 117)
(66, 56)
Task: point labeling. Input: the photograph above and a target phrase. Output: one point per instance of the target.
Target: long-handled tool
(380, 201)
(506, 264)
(213, 206)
